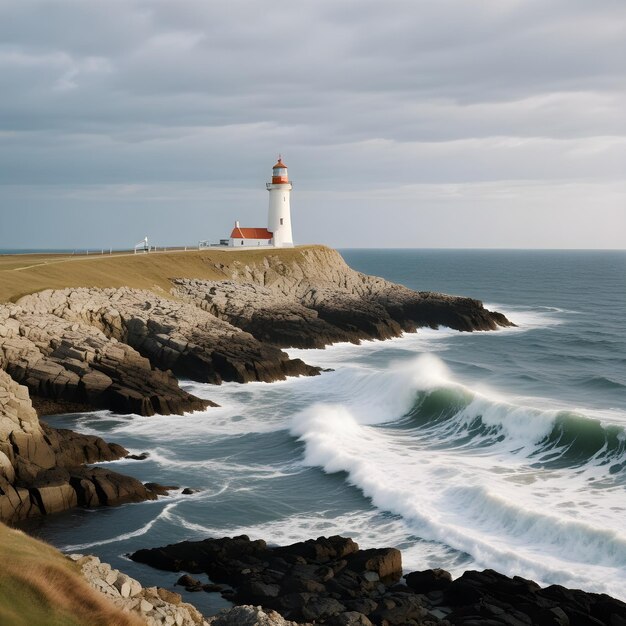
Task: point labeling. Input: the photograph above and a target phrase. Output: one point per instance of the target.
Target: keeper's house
(250, 236)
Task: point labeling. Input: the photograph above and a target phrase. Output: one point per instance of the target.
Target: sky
(404, 123)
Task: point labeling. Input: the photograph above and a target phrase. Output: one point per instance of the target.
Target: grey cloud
(360, 95)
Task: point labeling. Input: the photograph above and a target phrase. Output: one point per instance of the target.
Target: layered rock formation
(41, 468)
(122, 349)
(316, 300)
(331, 581)
(66, 359)
(173, 335)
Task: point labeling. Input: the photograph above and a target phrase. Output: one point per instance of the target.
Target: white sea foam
(365, 527)
(529, 318)
(523, 523)
(466, 478)
(142, 530)
(221, 466)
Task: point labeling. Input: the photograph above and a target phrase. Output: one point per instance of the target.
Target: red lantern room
(279, 173)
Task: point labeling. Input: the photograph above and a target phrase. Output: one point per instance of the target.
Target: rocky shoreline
(42, 469)
(332, 581)
(155, 606)
(124, 349)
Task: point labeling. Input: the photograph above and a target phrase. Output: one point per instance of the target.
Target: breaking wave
(469, 468)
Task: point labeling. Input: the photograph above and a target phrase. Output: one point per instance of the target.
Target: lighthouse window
(281, 221)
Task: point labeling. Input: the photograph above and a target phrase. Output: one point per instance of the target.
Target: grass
(28, 273)
(38, 585)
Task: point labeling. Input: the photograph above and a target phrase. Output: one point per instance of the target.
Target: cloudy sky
(416, 123)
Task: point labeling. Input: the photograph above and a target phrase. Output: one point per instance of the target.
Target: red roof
(251, 233)
(279, 164)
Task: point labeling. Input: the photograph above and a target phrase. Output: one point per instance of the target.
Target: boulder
(385, 562)
(428, 580)
(160, 490)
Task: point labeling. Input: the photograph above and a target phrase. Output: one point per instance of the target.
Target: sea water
(502, 450)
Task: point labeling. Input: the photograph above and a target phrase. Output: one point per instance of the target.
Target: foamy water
(475, 477)
(504, 450)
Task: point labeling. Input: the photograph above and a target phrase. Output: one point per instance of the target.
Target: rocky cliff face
(122, 349)
(41, 468)
(169, 334)
(315, 299)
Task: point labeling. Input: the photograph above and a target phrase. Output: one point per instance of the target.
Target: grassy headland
(28, 273)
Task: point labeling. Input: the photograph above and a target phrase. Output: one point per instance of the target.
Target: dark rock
(320, 608)
(551, 617)
(71, 449)
(51, 406)
(386, 562)
(160, 490)
(96, 486)
(187, 491)
(428, 580)
(138, 457)
(308, 580)
(396, 608)
(321, 549)
(362, 605)
(223, 559)
(330, 581)
(349, 618)
(188, 581)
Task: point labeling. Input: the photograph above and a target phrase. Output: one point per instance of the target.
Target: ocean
(503, 450)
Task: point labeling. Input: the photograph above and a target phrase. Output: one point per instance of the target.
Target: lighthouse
(279, 212)
(278, 231)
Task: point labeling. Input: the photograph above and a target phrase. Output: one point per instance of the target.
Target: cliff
(314, 299)
(122, 348)
(42, 469)
(210, 316)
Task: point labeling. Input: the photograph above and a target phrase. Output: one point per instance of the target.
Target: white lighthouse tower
(279, 213)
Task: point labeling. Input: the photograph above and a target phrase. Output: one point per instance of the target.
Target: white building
(278, 231)
(249, 237)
